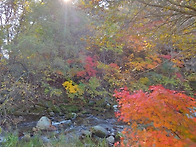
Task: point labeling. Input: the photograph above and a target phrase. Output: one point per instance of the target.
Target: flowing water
(74, 126)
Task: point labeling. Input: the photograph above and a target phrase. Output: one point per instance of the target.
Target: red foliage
(89, 68)
(81, 73)
(166, 56)
(114, 65)
(167, 113)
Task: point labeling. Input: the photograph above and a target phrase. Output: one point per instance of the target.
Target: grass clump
(12, 140)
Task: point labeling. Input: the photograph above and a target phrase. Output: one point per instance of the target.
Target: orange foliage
(166, 117)
(140, 64)
(137, 43)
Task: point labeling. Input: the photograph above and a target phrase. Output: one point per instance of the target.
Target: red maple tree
(161, 117)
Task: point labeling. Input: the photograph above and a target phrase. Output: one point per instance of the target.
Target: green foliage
(92, 88)
(164, 80)
(42, 41)
(13, 141)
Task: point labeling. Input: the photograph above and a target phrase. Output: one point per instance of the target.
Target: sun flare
(66, 1)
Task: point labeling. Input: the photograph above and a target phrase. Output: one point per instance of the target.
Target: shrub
(161, 117)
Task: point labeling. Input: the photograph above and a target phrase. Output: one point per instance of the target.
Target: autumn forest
(129, 60)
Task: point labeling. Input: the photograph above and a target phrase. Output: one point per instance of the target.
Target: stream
(73, 127)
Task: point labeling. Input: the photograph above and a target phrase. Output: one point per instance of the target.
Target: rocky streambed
(79, 126)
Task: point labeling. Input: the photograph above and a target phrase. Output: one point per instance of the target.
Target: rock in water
(99, 131)
(45, 124)
(111, 139)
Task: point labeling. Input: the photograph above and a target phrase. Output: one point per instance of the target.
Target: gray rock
(52, 114)
(111, 139)
(98, 139)
(45, 124)
(86, 133)
(99, 131)
(26, 137)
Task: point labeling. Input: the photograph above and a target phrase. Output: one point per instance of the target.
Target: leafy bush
(73, 89)
(161, 117)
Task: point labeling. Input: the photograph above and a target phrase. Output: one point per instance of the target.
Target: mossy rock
(99, 131)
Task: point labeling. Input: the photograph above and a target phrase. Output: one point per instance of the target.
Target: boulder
(45, 124)
(86, 133)
(99, 131)
(110, 139)
(26, 137)
(52, 113)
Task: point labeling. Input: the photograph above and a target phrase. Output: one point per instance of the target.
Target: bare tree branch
(171, 8)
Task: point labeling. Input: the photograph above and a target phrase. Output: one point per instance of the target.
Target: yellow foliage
(70, 87)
